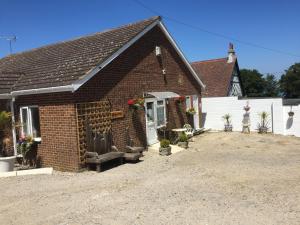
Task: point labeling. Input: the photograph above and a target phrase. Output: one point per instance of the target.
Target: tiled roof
(63, 63)
(216, 75)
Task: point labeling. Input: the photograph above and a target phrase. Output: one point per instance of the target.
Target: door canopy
(161, 95)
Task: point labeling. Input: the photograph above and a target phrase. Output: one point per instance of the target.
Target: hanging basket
(291, 113)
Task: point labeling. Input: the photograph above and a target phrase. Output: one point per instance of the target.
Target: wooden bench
(94, 159)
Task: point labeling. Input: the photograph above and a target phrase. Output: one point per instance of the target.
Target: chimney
(231, 54)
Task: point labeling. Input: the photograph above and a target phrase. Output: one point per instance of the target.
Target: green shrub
(164, 143)
(183, 137)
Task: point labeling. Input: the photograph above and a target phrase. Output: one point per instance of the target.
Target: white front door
(196, 107)
(155, 118)
(150, 123)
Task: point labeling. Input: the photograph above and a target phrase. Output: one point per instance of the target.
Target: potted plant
(180, 99)
(6, 160)
(24, 147)
(191, 111)
(227, 125)
(165, 148)
(183, 141)
(263, 126)
(136, 104)
(291, 113)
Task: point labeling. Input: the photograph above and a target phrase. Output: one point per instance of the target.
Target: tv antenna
(10, 38)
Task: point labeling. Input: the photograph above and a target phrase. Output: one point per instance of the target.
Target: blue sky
(269, 23)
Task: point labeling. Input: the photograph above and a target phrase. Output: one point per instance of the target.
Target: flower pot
(263, 130)
(291, 113)
(228, 128)
(7, 163)
(165, 151)
(247, 108)
(184, 144)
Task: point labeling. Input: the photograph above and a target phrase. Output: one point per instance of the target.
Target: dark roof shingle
(216, 75)
(65, 62)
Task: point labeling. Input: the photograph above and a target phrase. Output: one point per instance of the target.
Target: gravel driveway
(223, 178)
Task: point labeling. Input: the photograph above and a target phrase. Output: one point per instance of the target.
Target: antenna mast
(11, 39)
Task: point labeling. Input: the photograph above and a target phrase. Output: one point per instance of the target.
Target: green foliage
(253, 82)
(5, 119)
(227, 118)
(183, 137)
(257, 85)
(290, 82)
(271, 86)
(164, 143)
(24, 146)
(264, 121)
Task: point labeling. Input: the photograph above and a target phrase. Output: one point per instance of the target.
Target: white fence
(279, 121)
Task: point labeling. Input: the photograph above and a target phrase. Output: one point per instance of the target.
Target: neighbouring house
(129, 79)
(220, 76)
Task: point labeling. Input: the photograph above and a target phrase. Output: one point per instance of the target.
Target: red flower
(130, 102)
(182, 98)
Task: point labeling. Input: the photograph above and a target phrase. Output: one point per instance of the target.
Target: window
(150, 112)
(160, 111)
(30, 121)
(188, 102)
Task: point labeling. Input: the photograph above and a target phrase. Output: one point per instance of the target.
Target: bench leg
(98, 168)
(121, 160)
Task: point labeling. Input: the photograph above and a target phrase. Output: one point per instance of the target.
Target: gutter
(11, 95)
(43, 90)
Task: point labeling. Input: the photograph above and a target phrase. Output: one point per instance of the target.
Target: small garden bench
(92, 158)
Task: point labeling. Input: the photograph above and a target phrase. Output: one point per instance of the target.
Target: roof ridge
(154, 18)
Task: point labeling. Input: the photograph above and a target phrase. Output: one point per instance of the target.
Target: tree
(271, 86)
(253, 83)
(290, 82)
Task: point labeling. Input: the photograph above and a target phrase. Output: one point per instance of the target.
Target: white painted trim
(93, 72)
(43, 90)
(29, 120)
(12, 109)
(164, 29)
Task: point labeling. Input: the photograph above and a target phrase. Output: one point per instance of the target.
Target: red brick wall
(58, 147)
(136, 71)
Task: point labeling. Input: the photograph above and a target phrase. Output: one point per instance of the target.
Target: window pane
(188, 102)
(35, 120)
(25, 121)
(150, 112)
(160, 116)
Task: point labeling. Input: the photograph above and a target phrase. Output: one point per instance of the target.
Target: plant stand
(184, 144)
(165, 151)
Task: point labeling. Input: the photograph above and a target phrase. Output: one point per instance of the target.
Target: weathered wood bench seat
(99, 159)
(132, 157)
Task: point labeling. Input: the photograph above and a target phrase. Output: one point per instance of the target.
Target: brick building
(221, 76)
(47, 87)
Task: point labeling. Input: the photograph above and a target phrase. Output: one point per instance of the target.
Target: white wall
(214, 108)
(292, 125)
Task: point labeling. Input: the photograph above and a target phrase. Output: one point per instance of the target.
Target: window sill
(37, 139)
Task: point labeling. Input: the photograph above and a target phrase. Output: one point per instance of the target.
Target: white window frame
(155, 106)
(160, 106)
(29, 121)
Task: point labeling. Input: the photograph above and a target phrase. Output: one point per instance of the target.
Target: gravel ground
(223, 178)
